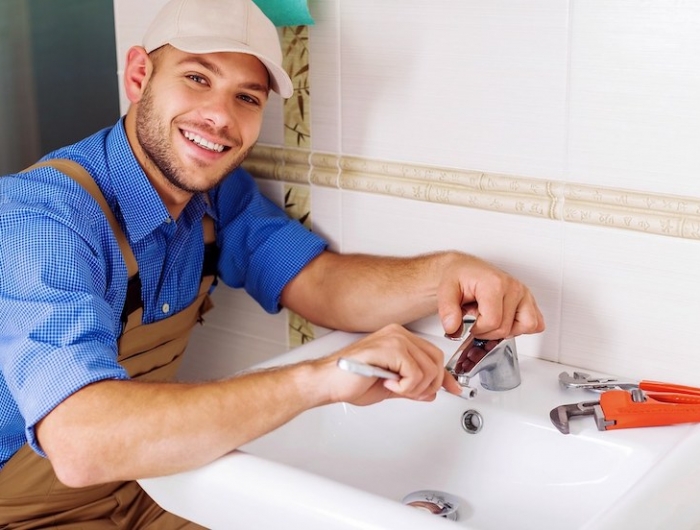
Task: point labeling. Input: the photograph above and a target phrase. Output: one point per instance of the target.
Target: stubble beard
(155, 142)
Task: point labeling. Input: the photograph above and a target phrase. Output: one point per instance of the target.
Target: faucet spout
(495, 361)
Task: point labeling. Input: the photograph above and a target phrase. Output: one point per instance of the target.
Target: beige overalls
(31, 497)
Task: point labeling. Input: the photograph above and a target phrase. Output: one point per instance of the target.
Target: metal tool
(603, 384)
(364, 369)
(621, 409)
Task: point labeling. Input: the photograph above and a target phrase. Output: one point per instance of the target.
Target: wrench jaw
(596, 384)
(600, 420)
(561, 415)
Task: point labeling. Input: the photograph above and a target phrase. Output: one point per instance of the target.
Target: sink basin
(343, 466)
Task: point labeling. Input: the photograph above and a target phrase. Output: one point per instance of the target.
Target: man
(103, 275)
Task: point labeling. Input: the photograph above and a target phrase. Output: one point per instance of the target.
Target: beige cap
(208, 26)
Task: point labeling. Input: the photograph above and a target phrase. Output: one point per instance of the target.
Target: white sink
(343, 466)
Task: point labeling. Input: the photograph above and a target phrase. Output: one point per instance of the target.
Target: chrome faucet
(496, 361)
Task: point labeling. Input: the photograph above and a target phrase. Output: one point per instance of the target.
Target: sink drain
(436, 502)
(472, 421)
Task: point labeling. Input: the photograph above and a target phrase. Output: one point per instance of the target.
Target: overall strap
(79, 174)
(133, 303)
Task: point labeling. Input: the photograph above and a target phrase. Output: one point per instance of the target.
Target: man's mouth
(201, 142)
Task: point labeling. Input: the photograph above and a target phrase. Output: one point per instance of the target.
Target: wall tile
(236, 334)
(272, 131)
(473, 84)
(326, 204)
(635, 77)
(631, 304)
(131, 19)
(324, 64)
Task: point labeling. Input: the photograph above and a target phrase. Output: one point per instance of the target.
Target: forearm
(122, 430)
(364, 293)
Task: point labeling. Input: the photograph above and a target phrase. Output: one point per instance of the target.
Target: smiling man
(110, 247)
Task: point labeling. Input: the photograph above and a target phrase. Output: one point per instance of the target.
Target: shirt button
(168, 220)
(166, 308)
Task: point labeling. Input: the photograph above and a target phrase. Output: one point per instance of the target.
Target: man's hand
(504, 307)
(355, 292)
(419, 364)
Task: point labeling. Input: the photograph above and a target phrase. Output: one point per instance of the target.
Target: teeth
(203, 143)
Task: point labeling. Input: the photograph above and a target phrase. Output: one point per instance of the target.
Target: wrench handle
(618, 406)
(657, 386)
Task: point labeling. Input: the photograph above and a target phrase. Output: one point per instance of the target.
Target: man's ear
(137, 71)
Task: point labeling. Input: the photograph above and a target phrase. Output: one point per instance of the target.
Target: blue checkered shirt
(63, 280)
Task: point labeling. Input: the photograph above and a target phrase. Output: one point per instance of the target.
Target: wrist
(311, 380)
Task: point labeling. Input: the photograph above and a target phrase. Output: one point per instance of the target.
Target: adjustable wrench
(602, 384)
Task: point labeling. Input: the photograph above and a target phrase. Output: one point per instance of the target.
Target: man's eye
(197, 79)
(248, 99)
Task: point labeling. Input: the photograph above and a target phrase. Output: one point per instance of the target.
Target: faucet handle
(496, 361)
(465, 329)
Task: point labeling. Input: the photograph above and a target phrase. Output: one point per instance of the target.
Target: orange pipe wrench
(660, 404)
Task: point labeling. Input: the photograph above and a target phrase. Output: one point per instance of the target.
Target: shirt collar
(133, 190)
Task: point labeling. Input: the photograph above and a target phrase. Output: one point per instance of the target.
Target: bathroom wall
(556, 138)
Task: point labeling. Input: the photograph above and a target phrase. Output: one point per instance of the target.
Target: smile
(201, 142)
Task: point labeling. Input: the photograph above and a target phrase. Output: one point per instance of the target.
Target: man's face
(199, 115)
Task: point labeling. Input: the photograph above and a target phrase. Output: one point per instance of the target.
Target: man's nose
(219, 111)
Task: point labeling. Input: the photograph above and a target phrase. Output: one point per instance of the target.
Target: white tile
(215, 353)
(131, 20)
(235, 311)
(476, 84)
(635, 77)
(272, 131)
(236, 334)
(326, 214)
(273, 190)
(123, 100)
(631, 304)
(324, 75)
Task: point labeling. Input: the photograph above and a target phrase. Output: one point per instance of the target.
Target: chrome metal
(468, 322)
(560, 415)
(638, 395)
(437, 503)
(468, 392)
(364, 369)
(596, 384)
(472, 421)
(496, 362)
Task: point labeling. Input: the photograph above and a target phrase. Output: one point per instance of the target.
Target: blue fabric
(63, 280)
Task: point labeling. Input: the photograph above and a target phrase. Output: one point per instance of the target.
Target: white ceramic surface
(344, 467)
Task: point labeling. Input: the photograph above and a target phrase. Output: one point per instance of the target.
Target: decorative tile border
(651, 213)
(666, 215)
(297, 122)
(297, 134)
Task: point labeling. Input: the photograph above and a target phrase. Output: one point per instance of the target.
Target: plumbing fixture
(496, 361)
(472, 421)
(436, 502)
